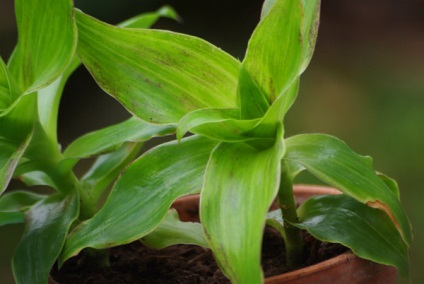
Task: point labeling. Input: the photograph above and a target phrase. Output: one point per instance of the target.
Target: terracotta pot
(345, 268)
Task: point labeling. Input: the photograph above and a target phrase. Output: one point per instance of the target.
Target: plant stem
(287, 204)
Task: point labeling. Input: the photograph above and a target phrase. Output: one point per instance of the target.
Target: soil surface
(135, 263)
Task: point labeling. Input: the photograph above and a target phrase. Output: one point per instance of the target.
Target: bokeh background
(365, 85)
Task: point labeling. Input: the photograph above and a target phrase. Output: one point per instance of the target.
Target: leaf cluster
(236, 155)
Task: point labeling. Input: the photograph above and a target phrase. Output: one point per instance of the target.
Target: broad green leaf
(19, 200)
(367, 231)
(9, 161)
(107, 167)
(274, 52)
(112, 137)
(47, 224)
(240, 184)
(172, 232)
(146, 20)
(332, 161)
(158, 76)
(143, 194)
(43, 52)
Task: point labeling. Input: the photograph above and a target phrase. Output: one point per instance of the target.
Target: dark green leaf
(240, 184)
(143, 194)
(158, 76)
(172, 232)
(367, 231)
(332, 161)
(7, 218)
(47, 224)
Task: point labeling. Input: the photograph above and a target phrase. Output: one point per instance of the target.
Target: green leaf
(218, 124)
(9, 160)
(143, 194)
(47, 225)
(8, 89)
(158, 76)
(310, 26)
(111, 138)
(274, 52)
(253, 100)
(43, 52)
(8, 218)
(172, 232)
(19, 200)
(146, 20)
(240, 184)
(367, 231)
(107, 167)
(332, 161)
(14, 204)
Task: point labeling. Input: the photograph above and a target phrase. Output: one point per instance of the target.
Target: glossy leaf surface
(369, 232)
(172, 232)
(143, 194)
(332, 161)
(158, 76)
(37, 61)
(240, 184)
(47, 224)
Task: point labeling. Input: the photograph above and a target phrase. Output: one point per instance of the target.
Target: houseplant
(238, 158)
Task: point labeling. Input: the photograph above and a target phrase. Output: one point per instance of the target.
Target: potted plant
(238, 158)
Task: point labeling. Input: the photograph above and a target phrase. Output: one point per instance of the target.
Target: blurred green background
(365, 85)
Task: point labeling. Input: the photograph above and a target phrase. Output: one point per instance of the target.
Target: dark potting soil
(135, 263)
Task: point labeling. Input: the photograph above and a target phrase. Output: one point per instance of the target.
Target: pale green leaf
(37, 60)
(146, 20)
(143, 194)
(218, 124)
(172, 232)
(332, 161)
(47, 224)
(240, 184)
(367, 231)
(274, 52)
(310, 24)
(158, 76)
